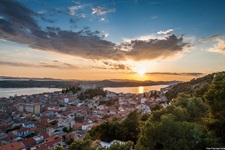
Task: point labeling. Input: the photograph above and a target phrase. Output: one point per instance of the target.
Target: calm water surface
(6, 92)
(138, 89)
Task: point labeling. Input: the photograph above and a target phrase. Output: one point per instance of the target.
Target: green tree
(86, 144)
(81, 96)
(125, 130)
(80, 145)
(195, 107)
(169, 134)
(181, 125)
(215, 98)
(54, 122)
(156, 107)
(107, 131)
(201, 90)
(144, 116)
(65, 129)
(58, 148)
(130, 126)
(119, 146)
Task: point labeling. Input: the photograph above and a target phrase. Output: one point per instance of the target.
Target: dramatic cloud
(116, 66)
(20, 26)
(156, 48)
(178, 74)
(102, 10)
(219, 46)
(19, 16)
(165, 32)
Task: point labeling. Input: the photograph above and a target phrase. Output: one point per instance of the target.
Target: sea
(135, 90)
(7, 92)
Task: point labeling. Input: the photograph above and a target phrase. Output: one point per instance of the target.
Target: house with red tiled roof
(5, 118)
(112, 110)
(102, 107)
(49, 143)
(143, 107)
(4, 126)
(29, 124)
(42, 126)
(129, 108)
(124, 113)
(86, 125)
(28, 143)
(71, 137)
(110, 118)
(44, 134)
(9, 138)
(100, 121)
(77, 126)
(117, 116)
(23, 132)
(12, 146)
(121, 108)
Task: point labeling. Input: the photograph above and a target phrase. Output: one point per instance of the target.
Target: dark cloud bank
(177, 74)
(18, 24)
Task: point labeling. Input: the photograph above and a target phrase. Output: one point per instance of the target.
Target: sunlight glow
(140, 89)
(140, 70)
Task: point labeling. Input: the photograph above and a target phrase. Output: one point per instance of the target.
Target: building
(12, 146)
(32, 108)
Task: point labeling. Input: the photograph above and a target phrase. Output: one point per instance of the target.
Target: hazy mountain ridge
(13, 82)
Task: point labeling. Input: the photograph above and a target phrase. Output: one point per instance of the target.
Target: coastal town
(46, 120)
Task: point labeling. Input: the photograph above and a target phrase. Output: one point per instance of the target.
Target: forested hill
(195, 119)
(195, 86)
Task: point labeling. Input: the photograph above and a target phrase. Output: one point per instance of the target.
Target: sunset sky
(112, 39)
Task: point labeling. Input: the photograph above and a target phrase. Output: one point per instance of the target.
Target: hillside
(193, 120)
(27, 83)
(189, 87)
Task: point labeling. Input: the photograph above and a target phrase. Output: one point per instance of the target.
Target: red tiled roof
(78, 125)
(22, 129)
(70, 135)
(44, 134)
(43, 124)
(12, 146)
(117, 116)
(33, 129)
(100, 121)
(28, 141)
(51, 141)
(113, 108)
(10, 136)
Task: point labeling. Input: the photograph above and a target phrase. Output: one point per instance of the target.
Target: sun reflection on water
(140, 89)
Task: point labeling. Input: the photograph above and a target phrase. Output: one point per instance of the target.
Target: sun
(140, 70)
